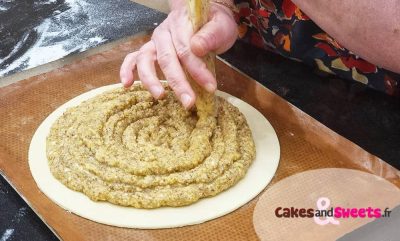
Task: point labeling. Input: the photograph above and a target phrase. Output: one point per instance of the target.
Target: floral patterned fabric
(280, 26)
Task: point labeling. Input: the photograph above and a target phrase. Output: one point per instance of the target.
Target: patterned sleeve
(281, 27)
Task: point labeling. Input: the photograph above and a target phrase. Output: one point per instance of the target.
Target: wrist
(176, 4)
(228, 4)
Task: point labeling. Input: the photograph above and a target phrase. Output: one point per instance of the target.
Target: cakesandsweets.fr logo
(324, 214)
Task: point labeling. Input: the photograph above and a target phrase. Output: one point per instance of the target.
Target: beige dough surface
(126, 148)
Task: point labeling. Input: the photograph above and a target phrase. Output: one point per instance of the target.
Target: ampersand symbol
(323, 203)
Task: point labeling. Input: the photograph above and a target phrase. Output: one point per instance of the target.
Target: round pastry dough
(257, 178)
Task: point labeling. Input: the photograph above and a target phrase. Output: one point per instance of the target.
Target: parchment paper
(305, 144)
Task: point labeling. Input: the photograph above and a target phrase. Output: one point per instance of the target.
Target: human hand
(173, 43)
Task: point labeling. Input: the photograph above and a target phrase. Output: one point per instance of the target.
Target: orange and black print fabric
(280, 26)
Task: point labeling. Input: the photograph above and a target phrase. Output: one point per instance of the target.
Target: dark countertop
(368, 118)
(35, 32)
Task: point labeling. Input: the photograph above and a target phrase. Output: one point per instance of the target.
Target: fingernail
(210, 87)
(157, 91)
(186, 100)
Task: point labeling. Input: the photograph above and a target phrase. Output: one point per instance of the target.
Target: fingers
(143, 61)
(170, 65)
(146, 70)
(173, 44)
(181, 34)
(218, 35)
(127, 68)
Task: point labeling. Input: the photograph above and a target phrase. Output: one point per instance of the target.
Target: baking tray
(305, 144)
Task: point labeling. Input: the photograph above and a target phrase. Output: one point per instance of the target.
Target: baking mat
(305, 144)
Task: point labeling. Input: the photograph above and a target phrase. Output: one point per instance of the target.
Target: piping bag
(205, 101)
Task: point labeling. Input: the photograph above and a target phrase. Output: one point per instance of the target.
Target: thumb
(217, 35)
